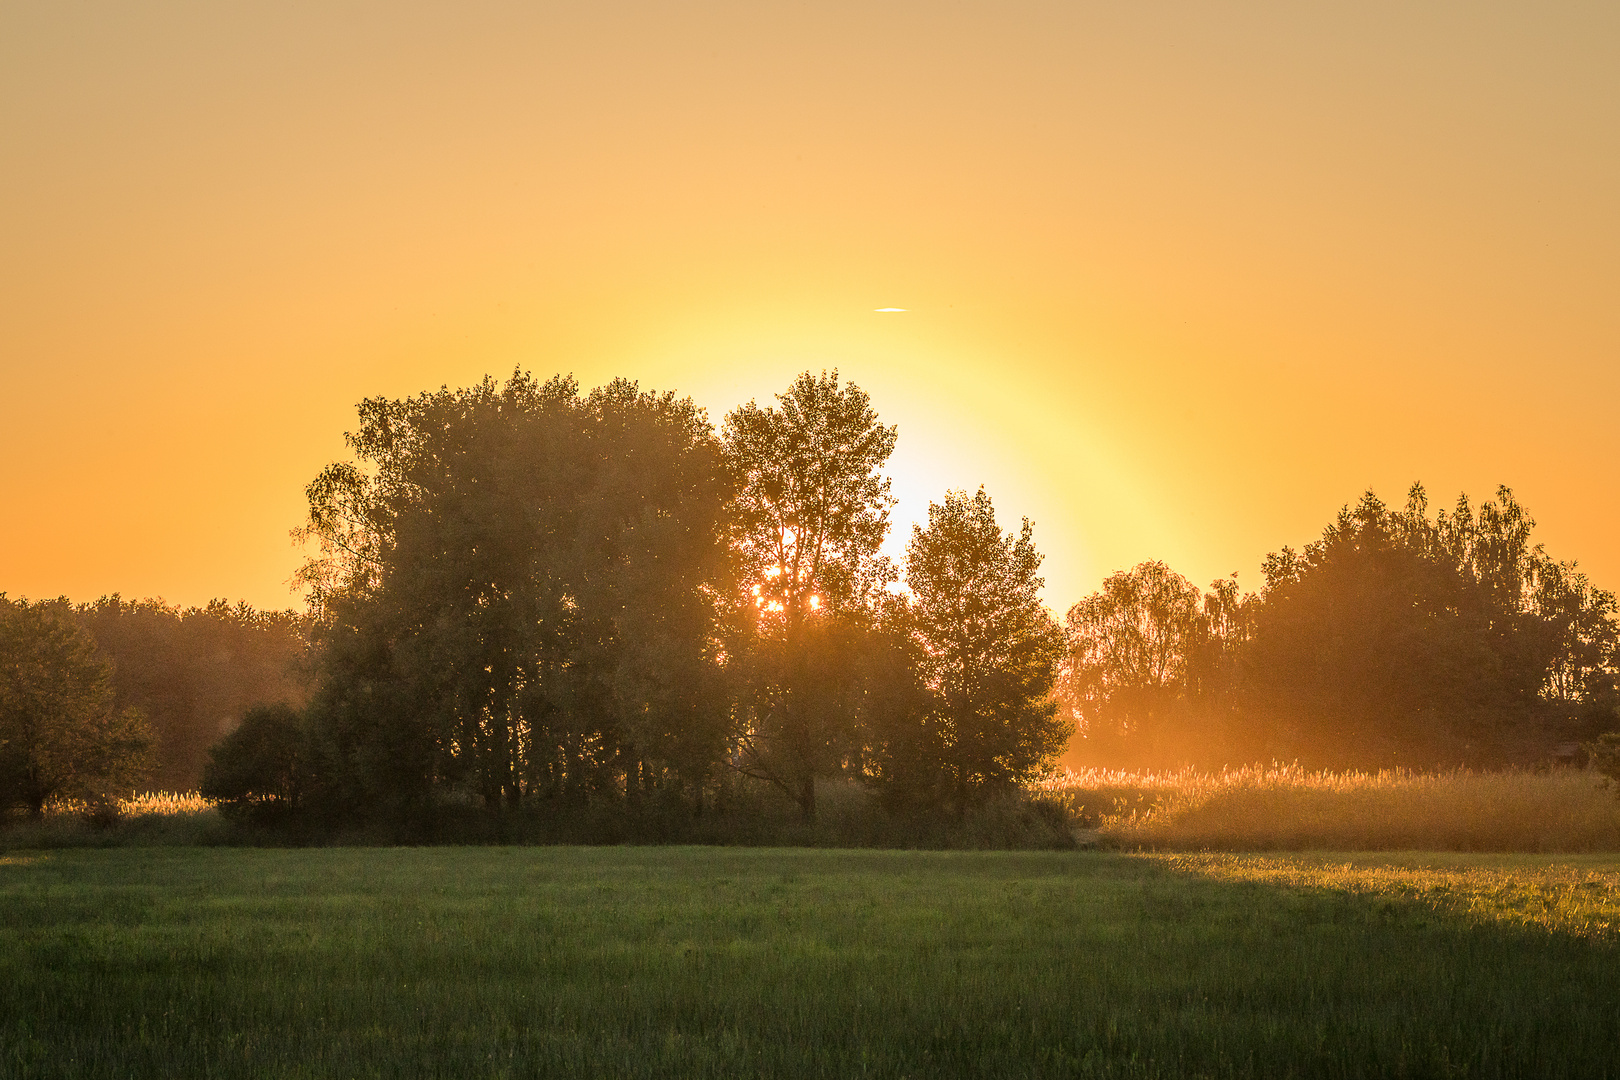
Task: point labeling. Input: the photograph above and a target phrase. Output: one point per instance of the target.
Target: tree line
(102, 697)
(1397, 639)
(526, 596)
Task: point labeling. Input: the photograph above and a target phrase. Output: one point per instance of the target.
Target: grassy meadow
(679, 961)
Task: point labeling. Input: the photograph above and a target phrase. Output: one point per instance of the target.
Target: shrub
(258, 771)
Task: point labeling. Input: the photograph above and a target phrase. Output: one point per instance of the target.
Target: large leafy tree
(1401, 639)
(656, 592)
(988, 649)
(257, 771)
(436, 611)
(60, 732)
(1128, 650)
(521, 594)
(809, 515)
(812, 504)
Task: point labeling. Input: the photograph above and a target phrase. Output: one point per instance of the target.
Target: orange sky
(1181, 279)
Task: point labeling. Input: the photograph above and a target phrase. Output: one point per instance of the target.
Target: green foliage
(259, 771)
(987, 652)
(812, 506)
(1395, 639)
(1151, 664)
(810, 511)
(678, 962)
(525, 595)
(61, 735)
(194, 672)
(522, 593)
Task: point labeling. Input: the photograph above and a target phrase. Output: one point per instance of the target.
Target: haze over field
(1178, 281)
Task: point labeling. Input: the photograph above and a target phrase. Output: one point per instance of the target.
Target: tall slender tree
(811, 510)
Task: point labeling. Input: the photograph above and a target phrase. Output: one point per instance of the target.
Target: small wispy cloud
(889, 309)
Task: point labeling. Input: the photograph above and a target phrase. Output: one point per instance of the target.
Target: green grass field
(745, 962)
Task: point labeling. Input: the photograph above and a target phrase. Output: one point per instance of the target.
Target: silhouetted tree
(810, 512)
(259, 771)
(521, 593)
(657, 592)
(988, 648)
(1397, 639)
(60, 732)
(1151, 667)
(902, 734)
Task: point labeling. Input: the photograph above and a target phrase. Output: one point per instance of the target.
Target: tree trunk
(807, 800)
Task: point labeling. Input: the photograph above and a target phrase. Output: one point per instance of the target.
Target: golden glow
(815, 602)
(1180, 280)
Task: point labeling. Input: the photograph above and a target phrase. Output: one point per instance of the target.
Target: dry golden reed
(140, 803)
(1286, 808)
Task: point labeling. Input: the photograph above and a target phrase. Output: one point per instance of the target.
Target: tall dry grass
(141, 819)
(1286, 808)
(138, 804)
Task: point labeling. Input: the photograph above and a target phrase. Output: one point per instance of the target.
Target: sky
(1179, 279)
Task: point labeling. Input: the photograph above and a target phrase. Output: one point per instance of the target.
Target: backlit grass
(1579, 895)
(759, 962)
(1287, 808)
(138, 804)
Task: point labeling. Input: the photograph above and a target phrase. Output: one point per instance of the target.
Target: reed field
(1285, 808)
(725, 962)
(142, 819)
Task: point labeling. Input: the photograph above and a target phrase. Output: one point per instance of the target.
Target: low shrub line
(1255, 808)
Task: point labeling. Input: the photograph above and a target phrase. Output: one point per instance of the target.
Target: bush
(258, 772)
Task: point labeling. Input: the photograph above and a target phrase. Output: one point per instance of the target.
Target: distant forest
(183, 676)
(526, 596)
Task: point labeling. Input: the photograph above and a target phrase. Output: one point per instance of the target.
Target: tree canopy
(810, 511)
(522, 591)
(1397, 638)
(988, 648)
(195, 672)
(61, 735)
(522, 594)
(812, 505)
